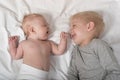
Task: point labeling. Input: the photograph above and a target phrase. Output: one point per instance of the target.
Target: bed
(57, 13)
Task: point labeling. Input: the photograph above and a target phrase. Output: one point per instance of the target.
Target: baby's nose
(48, 28)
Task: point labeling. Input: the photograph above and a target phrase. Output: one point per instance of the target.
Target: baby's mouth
(47, 32)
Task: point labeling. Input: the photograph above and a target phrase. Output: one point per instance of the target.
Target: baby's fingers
(14, 38)
(64, 35)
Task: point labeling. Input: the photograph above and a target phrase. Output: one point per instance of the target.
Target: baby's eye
(45, 25)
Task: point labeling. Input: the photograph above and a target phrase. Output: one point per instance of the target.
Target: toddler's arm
(14, 48)
(109, 62)
(61, 47)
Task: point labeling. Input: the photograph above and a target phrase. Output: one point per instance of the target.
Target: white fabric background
(57, 12)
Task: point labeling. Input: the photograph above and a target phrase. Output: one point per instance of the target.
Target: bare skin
(36, 49)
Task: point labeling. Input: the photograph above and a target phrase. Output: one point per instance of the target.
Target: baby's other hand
(64, 35)
(13, 41)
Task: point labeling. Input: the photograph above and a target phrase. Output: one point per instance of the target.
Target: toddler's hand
(13, 41)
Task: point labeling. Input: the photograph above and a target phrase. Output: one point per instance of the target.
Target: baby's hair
(27, 20)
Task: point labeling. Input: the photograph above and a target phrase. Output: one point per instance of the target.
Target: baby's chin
(43, 39)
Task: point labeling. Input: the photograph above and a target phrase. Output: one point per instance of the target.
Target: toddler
(92, 58)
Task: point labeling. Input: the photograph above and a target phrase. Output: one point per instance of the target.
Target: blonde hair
(28, 20)
(90, 16)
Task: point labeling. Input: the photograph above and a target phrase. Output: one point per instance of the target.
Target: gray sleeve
(72, 71)
(108, 62)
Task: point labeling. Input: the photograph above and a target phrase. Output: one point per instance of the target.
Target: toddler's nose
(70, 31)
(69, 34)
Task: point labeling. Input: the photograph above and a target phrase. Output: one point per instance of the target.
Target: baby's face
(42, 29)
(77, 31)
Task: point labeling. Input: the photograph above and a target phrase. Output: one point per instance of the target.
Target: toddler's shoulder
(101, 43)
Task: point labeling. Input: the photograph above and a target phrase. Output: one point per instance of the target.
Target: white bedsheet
(57, 12)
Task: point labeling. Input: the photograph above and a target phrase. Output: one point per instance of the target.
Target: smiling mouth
(70, 35)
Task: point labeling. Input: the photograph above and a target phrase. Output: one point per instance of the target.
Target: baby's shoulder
(24, 42)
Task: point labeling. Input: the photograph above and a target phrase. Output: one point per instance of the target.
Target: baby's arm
(14, 48)
(61, 47)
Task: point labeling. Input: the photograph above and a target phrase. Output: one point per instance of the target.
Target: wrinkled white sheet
(57, 12)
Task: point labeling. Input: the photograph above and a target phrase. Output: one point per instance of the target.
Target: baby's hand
(64, 35)
(13, 41)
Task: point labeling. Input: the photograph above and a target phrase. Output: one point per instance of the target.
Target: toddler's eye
(73, 26)
(46, 25)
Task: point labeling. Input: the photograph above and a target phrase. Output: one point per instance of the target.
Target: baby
(92, 58)
(36, 49)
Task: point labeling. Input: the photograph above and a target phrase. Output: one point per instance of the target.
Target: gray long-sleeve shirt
(95, 61)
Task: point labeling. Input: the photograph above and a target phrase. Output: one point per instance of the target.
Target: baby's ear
(90, 26)
(31, 29)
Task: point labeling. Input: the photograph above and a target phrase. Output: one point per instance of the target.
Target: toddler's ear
(90, 26)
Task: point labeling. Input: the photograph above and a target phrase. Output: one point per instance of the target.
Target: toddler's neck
(86, 42)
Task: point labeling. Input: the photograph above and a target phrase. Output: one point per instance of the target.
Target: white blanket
(57, 12)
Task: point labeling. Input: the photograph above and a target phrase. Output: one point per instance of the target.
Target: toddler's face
(77, 30)
(42, 29)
